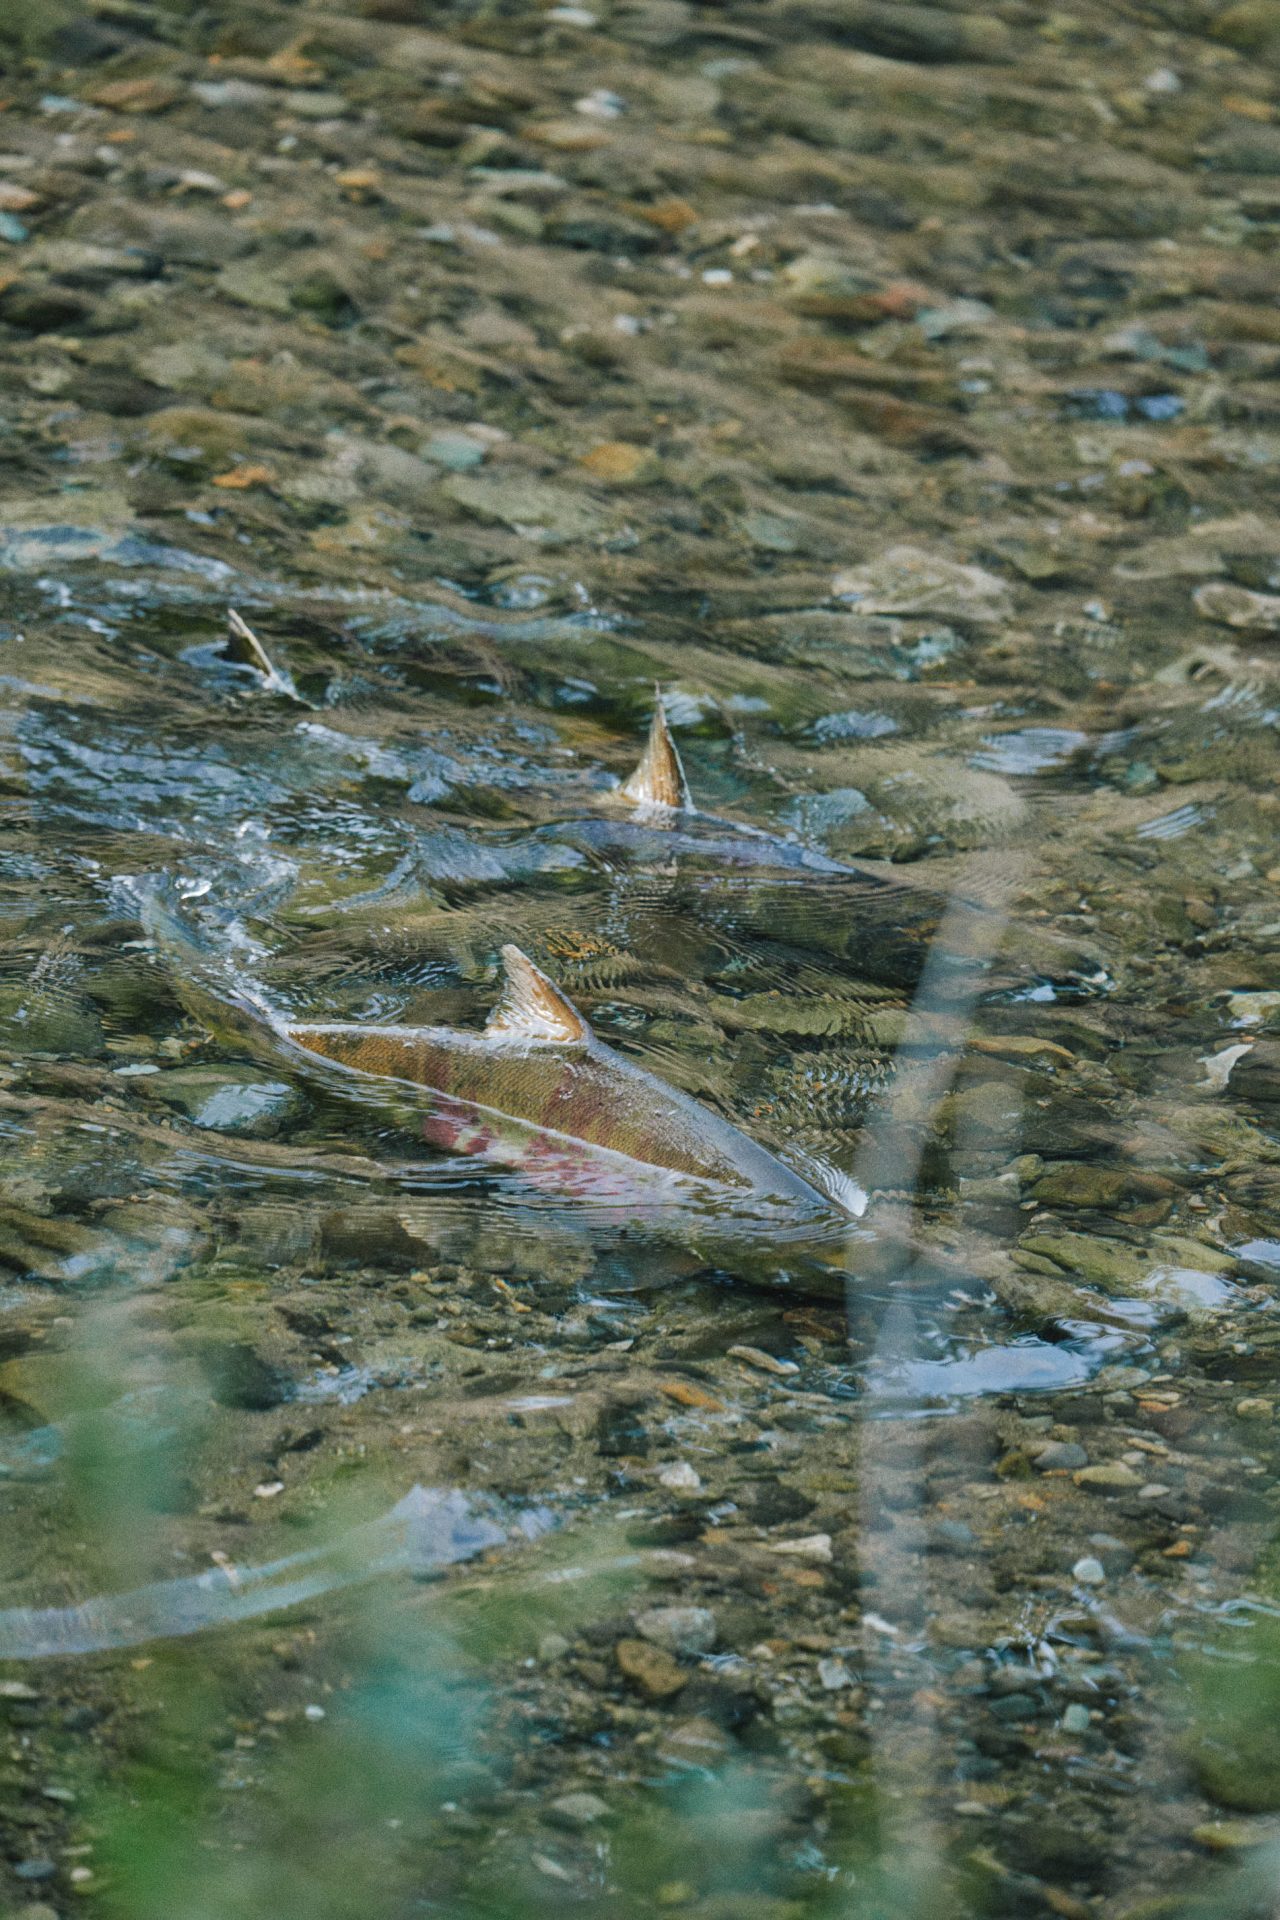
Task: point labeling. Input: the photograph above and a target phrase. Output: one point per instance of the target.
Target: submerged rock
(910, 580)
(683, 1630)
(650, 1669)
(224, 1100)
(1233, 606)
(1256, 1075)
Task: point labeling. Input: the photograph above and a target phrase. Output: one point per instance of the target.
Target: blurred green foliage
(29, 29)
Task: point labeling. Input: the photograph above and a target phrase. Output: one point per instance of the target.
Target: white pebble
(679, 1477)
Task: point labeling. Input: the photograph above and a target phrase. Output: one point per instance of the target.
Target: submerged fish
(665, 827)
(743, 878)
(586, 1116)
(535, 1089)
(649, 821)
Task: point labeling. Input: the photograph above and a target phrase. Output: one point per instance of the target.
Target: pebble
(763, 1362)
(1233, 606)
(1112, 1478)
(811, 1546)
(149, 93)
(223, 1100)
(618, 463)
(1089, 1572)
(686, 1394)
(1255, 1409)
(693, 1743)
(1076, 1719)
(1006, 1680)
(833, 1675)
(1060, 1455)
(1229, 1836)
(1117, 1556)
(576, 1810)
(538, 509)
(651, 1669)
(952, 1536)
(552, 1647)
(909, 580)
(552, 1868)
(1154, 1490)
(687, 1630)
(314, 104)
(1015, 1706)
(679, 1477)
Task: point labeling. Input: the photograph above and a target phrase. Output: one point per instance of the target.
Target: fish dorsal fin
(659, 779)
(533, 1007)
(244, 646)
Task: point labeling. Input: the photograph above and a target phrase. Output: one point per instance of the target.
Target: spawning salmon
(535, 1088)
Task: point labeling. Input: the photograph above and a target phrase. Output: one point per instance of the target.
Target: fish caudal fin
(659, 779)
(533, 1007)
(244, 646)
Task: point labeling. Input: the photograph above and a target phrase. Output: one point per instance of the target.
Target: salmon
(587, 1119)
(743, 878)
(537, 1091)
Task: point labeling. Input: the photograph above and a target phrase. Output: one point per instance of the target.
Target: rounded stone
(687, 1630)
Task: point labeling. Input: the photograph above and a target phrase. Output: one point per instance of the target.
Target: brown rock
(238, 479)
(650, 1669)
(685, 1394)
(145, 93)
(669, 216)
(618, 463)
(568, 136)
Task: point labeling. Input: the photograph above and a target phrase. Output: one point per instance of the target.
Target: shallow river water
(391, 1528)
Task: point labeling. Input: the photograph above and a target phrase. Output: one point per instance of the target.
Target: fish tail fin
(206, 980)
(244, 646)
(246, 650)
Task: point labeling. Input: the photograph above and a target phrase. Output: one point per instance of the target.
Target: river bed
(391, 1532)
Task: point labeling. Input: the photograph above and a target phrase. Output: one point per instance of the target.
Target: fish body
(464, 863)
(688, 839)
(585, 1116)
(536, 1089)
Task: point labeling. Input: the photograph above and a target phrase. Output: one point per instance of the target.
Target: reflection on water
(427, 1529)
(1023, 1366)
